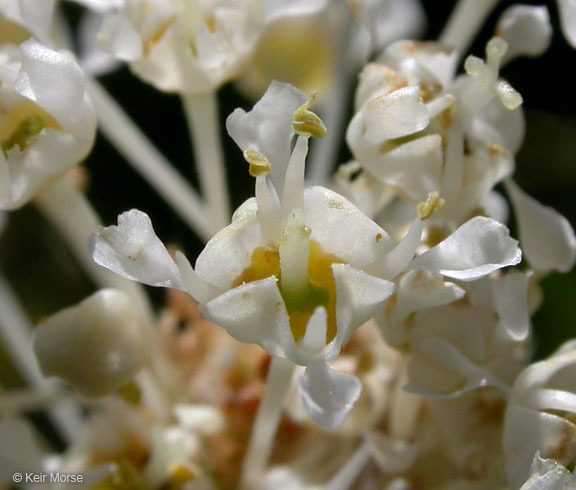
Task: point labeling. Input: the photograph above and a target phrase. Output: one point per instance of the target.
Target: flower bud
(97, 345)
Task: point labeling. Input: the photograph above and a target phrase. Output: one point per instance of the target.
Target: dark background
(44, 274)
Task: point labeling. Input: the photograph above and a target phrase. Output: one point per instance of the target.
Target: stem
(466, 20)
(325, 151)
(16, 331)
(267, 421)
(202, 113)
(404, 408)
(18, 401)
(137, 149)
(344, 479)
(69, 210)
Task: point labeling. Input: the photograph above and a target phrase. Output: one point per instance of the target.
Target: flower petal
(228, 253)
(398, 114)
(511, 299)
(526, 29)
(327, 394)
(568, 20)
(420, 290)
(267, 128)
(120, 38)
(526, 432)
(547, 474)
(480, 246)
(439, 369)
(546, 236)
(358, 295)
(255, 313)
(342, 229)
(132, 250)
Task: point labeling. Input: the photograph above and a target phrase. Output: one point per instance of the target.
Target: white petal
(437, 368)
(526, 432)
(133, 250)
(97, 345)
(228, 253)
(511, 298)
(358, 295)
(267, 128)
(397, 20)
(56, 83)
(480, 246)
(197, 287)
(546, 237)
(342, 229)
(429, 62)
(568, 20)
(547, 474)
(119, 37)
(526, 29)
(290, 8)
(327, 394)
(93, 59)
(396, 260)
(419, 290)
(254, 313)
(498, 125)
(36, 17)
(398, 114)
(414, 167)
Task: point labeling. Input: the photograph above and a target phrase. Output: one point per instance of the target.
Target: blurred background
(45, 274)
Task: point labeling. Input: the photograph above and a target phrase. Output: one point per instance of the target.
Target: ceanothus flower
(47, 122)
(190, 47)
(298, 270)
(540, 415)
(415, 120)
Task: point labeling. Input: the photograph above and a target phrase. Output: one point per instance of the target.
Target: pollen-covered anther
(427, 208)
(306, 122)
(259, 164)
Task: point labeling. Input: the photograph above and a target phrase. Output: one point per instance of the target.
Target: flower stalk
(203, 122)
(267, 421)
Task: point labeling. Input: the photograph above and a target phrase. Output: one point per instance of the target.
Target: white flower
(539, 415)
(143, 451)
(22, 19)
(299, 276)
(389, 20)
(547, 474)
(47, 123)
(526, 29)
(414, 121)
(459, 347)
(192, 47)
(546, 236)
(97, 345)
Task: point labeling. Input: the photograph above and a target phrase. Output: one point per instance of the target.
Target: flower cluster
(367, 329)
